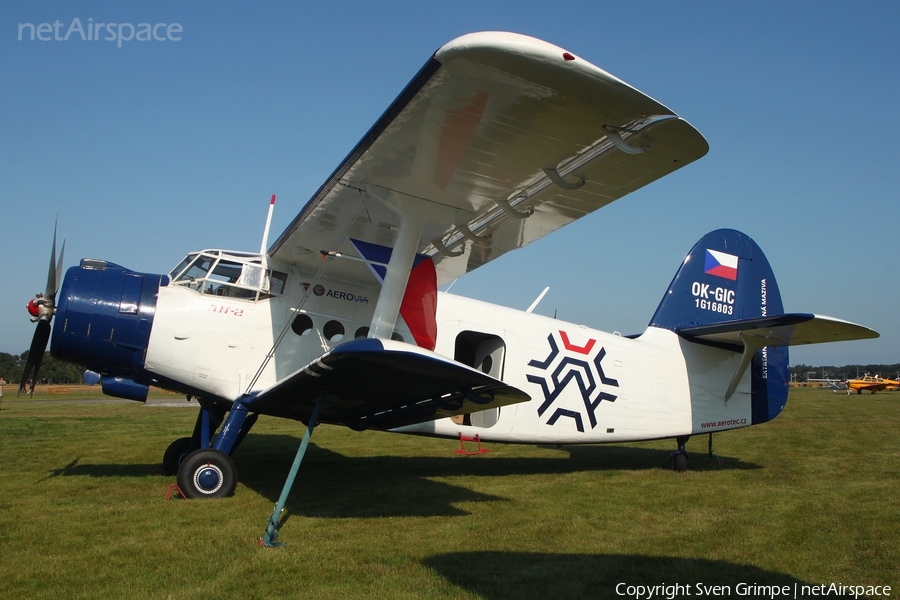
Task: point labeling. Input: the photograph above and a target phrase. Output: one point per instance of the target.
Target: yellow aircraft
(872, 384)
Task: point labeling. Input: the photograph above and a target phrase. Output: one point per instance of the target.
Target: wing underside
(378, 384)
(500, 139)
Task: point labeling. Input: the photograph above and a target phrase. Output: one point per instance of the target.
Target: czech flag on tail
(419, 305)
(721, 264)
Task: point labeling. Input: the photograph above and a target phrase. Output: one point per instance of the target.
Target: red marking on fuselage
(579, 349)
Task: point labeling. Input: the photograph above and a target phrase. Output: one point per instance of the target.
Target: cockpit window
(231, 275)
(253, 276)
(181, 266)
(199, 269)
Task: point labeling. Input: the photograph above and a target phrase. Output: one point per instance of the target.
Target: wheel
(678, 461)
(207, 473)
(175, 453)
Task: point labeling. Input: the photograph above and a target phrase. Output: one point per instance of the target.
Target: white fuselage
(586, 386)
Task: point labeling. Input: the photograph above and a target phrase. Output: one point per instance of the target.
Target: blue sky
(156, 148)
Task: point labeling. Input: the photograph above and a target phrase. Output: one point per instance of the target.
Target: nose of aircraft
(104, 314)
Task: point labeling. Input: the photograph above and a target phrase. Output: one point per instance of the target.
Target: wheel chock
(462, 445)
(174, 486)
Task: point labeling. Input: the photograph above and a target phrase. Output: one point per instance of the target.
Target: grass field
(811, 498)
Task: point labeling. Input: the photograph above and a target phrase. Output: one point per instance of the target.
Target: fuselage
(586, 386)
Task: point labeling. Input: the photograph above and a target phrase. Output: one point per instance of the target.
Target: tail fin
(726, 278)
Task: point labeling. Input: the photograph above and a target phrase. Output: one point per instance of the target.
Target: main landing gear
(678, 460)
(207, 474)
(205, 469)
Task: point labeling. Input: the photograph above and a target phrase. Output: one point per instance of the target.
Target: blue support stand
(270, 538)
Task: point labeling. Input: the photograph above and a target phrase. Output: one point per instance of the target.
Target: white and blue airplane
(499, 140)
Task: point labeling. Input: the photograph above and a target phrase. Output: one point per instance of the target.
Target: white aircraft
(499, 140)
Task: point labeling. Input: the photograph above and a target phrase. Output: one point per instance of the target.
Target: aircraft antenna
(265, 239)
(538, 300)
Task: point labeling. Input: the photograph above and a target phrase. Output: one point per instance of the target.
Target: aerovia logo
(572, 364)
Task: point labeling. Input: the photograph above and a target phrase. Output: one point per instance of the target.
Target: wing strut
(414, 216)
(271, 536)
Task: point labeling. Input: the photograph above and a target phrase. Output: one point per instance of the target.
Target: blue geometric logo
(572, 365)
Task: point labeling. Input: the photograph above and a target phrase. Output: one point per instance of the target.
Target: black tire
(678, 462)
(175, 453)
(207, 473)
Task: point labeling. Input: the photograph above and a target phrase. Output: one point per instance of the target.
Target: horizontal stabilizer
(750, 335)
(382, 384)
(793, 329)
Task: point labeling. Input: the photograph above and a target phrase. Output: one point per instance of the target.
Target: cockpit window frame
(238, 276)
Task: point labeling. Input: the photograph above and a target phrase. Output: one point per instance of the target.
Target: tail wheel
(175, 454)
(207, 473)
(678, 461)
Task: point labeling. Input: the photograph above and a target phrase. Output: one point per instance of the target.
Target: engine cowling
(104, 314)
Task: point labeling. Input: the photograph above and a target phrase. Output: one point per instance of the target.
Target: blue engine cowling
(104, 314)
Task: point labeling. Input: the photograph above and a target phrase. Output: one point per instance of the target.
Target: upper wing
(493, 127)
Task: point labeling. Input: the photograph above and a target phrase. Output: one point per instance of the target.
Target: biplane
(499, 140)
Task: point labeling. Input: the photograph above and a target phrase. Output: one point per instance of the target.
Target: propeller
(43, 307)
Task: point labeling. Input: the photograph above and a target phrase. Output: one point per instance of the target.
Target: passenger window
(277, 280)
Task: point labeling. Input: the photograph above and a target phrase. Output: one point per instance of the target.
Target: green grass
(809, 498)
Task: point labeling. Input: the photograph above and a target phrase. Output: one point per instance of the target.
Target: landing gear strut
(678, 460)
(204, 467)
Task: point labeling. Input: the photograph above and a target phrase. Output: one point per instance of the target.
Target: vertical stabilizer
(726, 277)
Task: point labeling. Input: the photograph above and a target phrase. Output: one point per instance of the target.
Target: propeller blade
(50, 292)
(59, 269)
(35, 355)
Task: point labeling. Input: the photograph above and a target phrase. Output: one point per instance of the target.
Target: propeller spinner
(42, 308)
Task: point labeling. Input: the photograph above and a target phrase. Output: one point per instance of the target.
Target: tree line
(52, 370)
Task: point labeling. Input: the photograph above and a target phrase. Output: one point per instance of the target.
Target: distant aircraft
(838, 386)
(499, 140)
(871, 384)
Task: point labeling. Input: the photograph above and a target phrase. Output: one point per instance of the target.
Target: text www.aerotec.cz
(728, 423)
